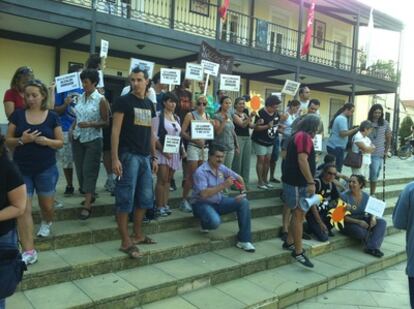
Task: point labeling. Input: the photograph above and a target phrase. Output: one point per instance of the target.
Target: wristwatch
(20, 142)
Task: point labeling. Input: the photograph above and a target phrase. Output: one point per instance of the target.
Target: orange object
(338, 214)
(255, 103)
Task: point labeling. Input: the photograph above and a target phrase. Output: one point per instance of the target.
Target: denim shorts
(134, 188)
(293, 194)
(375, 168)
(261, 150)
(44, 182)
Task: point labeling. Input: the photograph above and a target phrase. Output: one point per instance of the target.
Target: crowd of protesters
(80, 127)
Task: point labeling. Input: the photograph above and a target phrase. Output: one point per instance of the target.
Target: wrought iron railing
(200, 18)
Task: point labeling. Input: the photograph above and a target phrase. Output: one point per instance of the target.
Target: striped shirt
(377, 137)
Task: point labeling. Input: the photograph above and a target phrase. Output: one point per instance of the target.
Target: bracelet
(311, 183)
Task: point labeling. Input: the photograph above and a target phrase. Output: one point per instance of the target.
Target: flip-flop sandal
(146, 241)
(84, 216)
(132, 251)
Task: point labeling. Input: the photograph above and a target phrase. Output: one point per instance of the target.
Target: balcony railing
(238, 28)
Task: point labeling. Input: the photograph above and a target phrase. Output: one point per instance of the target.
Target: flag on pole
(368, 42)
(309, 29)
(223, 9)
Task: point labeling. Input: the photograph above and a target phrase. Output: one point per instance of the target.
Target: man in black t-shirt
(133, 158)
(263, 136)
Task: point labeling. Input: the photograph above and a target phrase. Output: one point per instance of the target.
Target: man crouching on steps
(209, 180)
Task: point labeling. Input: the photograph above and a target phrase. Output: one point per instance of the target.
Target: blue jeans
(275, 151)
(375, 168)
(8, 240)
(209, 215)
(134, 188)
(339, 154)
(373, 238)
(44, 182)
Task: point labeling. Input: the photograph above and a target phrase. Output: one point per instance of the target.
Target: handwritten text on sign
(171, 144)
(144, 65)
(290, 87)
(194, 71)
(210, 68)
(375, 207)
(230, 82)
(202, 129)
(170, 76)
(317, 142)
(104, 49)
(67, 82)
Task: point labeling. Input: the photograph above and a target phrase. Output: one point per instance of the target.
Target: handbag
(11, 271)
(353, 159)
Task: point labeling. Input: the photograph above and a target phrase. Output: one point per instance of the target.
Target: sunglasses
(201, 103)
(24, 70)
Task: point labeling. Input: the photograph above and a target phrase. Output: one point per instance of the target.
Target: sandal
(92, 201)
(374, 252)
(132, 251)
(146, 241)
(84, 216)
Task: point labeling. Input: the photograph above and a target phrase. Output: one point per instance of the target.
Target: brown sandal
(146, 241)
(132, 251)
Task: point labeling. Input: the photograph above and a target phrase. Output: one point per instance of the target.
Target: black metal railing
(200, 18)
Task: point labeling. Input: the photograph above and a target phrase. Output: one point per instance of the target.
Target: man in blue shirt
(403, 218)
(209, 180)
(64, 107)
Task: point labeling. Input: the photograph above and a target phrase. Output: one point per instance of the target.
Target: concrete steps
(80, 265)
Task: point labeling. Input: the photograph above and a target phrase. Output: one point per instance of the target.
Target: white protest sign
(104, 49)
(210, 68)
(170, 76)
(171, 144)
(67, 82)
(230, 82)
(375, 207)
(317, 142)
(202, 129)
(290, 87)
(145, 65)
(194, 71)
(101, 80)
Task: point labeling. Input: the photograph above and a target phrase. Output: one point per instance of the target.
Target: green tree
(405, 129)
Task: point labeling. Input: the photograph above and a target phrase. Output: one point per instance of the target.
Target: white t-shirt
(359, 138)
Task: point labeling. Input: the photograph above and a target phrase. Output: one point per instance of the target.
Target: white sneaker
(57, 204)
(263, 187)
(29, 258)
(44, 230)
(269, 185)
(246, 246)
(204, 231)
(186, 206)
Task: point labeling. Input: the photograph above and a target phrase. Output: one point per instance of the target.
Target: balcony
(201, 18)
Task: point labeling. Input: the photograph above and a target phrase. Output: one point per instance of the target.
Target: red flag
(309, 29)
(223, 9)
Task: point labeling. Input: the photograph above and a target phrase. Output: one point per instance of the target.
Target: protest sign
(230, 82)
(209, 53)
(317, 142)
(290, 87)
(67, 82)
(170, 77)
(104, 49)
(202, 129)
(375, 207)
(171, 144)
(101, 80)
(144, 65)
(194, 71)
(210, 68)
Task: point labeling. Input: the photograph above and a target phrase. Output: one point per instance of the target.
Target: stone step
(70, 233)
(104, 205)
(290, 284)
(266, 278)
(55, 266)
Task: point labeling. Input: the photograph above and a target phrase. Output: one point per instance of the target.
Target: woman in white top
(362, 143)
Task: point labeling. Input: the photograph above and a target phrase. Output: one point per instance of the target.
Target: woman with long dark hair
(381, 137)
(340, 132)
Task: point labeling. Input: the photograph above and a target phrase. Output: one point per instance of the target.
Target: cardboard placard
(170, 76)
(145, 65)
(101, 80)
(210, 68)
(317, 142)
(230, 82)
(171, 144)
(67, 82)
(375, 207)
(194, 71)
(202, 130)
(290, 87)
(104, 49)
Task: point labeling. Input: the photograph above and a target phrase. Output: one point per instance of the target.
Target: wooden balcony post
(355, 39)
(92, 42)
(252, 12)
(172, 14)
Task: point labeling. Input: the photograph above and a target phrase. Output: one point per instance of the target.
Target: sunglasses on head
(24, 70)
